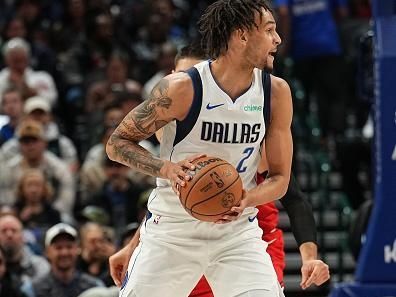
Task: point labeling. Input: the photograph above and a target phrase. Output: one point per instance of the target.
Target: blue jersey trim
(266, 78)
(185, 126)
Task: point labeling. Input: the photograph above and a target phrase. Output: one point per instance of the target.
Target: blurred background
(70, 70)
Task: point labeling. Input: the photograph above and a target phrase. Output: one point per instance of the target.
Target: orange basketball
(214, 188)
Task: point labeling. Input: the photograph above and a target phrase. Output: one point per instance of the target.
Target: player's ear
(242, 36)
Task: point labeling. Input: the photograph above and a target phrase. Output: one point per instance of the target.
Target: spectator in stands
(165, 62)
(33, 145)
(30, 12)
(92, 175)
(309, 35)
(11, 106)
(119, 195)
(102, 93)
(18, 73)
(33, 203)
(24, 266)
(102, 42)
(8, 288)
(96, 249)
(38, 109)
(42, 56)
(64, 279)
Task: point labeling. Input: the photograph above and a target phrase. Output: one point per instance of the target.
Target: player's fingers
(115, 273)
(231, 216)
(222, 221)
(312, 277)
(195, 157)
(176, 189)
(323, 277)
(304, 277)
(123, 276)
(180, 178)
(236, 210)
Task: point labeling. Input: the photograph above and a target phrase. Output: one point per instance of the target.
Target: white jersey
(217, 126)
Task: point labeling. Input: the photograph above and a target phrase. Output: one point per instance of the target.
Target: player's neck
(233, 77)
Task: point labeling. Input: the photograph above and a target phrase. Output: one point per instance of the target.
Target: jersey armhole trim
(185, 126)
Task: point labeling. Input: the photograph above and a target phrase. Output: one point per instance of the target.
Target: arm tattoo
(142, 122)
(146, 117)
(134, 155)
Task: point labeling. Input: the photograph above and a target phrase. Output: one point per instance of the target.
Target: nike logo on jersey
(251, 219)
(209, 107)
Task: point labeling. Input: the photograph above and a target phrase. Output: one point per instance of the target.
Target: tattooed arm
(169, 100)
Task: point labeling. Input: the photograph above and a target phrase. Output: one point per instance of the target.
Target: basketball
(215, 186)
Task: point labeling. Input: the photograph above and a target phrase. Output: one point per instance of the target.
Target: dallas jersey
(216, 126)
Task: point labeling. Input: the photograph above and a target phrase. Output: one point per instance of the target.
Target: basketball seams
(223, 190)
(196, 181)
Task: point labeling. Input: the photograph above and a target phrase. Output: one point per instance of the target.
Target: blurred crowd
(70, 70)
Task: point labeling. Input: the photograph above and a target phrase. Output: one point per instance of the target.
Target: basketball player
(313, 271)
(299, 210)
(214, 107)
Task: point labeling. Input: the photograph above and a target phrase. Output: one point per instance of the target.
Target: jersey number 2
(247, 152)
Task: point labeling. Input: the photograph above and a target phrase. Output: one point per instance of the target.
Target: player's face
(186, 63)
(263, 42)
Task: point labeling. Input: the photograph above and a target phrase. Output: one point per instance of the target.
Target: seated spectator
(11, 106)
(38, 109)
(42, 56)
(64, 279)
(119, 195)
(23, 266)
(96, 249)
(33, 203)
(33, 145)
(7, 287)
(92, 175)
(18, 73)
(165, 64)
(112, 115)
(102, 93)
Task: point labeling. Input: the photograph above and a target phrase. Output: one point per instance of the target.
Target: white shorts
(173, 254)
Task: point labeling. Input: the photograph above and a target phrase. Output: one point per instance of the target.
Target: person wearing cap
(39, 109)
(16, 53)
(64, 279)
(24, 266)
(33, 154)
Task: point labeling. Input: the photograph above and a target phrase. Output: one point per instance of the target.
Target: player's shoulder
(279, 84)
(178, 88)
(178, 81)
(280, 90)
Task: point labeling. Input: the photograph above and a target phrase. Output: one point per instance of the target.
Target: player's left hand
(235, 211)
(314, 272)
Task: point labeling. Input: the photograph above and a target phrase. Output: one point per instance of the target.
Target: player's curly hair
(222, 17)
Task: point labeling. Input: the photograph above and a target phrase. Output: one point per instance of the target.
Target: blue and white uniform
(175, 248)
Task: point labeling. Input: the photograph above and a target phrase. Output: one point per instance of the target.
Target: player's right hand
(119, 264)
(177, 174)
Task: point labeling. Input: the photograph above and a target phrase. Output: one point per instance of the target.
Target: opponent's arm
(302, 222)
(278, 147)
(300, 214)
(167, 102)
